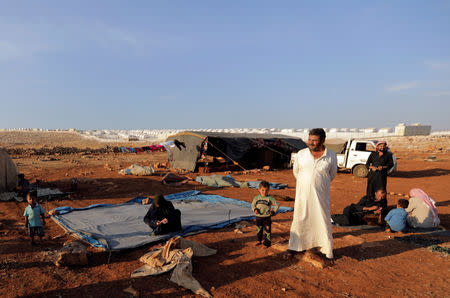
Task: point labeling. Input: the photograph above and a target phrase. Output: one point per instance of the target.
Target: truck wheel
(360, 171)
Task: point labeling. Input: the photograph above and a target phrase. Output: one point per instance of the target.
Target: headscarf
(161, 204)
(379, 143)
(431, 204)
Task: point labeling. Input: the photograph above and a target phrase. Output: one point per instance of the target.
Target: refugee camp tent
(337, 145)
(8, 173)
(210, 149)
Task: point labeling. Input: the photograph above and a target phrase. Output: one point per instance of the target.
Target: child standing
(396, 218)
(264, 207)
(33, 215)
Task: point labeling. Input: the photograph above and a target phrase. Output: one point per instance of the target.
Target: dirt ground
(367, 262)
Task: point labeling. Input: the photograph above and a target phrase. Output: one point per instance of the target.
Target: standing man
(314, 168)
(378, 163)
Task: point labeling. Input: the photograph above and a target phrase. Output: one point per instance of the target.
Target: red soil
(368, 263)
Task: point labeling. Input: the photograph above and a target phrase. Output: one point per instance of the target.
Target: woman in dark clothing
(378, 163)
(162, 217)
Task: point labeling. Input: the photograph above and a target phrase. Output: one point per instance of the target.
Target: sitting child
(33, 214)
(396, 218)
(264, 206)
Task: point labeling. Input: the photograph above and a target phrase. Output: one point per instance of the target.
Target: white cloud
(438, 65)
(19, 41)
(403, 86)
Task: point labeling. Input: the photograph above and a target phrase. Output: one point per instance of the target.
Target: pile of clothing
(151, 148)
(137, 170)
(222, 181)
(176, 254)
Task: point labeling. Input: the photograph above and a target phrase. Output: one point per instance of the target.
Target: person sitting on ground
(422, 210)
(264, 207)
(162, 217)
(354, 213)
(396, 218)
(33, 214)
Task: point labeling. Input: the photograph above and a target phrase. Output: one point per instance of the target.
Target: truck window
(367, 147)
(360, 147)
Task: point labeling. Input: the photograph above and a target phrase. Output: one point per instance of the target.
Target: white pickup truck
(353, 154)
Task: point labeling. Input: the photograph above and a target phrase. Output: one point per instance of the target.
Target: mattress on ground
(121, 226)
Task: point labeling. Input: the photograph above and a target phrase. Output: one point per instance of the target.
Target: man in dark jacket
(354, 213)
(379, 163)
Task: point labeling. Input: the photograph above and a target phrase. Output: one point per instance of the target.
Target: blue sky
(224, 64)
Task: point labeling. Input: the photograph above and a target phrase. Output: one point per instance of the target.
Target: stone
(130, 290)
(72, 254)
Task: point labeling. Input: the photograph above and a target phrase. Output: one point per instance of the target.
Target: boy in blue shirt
(396, 218)
(33, 215)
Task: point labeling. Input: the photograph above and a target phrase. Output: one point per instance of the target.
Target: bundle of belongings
(137, 170)
(176, 254)
(223, 181)
(165, 146)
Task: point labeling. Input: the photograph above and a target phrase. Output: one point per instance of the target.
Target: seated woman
(162, 217)
(422, 210)
(354, 214)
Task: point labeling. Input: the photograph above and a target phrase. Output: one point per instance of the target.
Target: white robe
(311, 225)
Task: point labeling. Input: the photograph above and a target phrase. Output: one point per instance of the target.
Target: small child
(264, 206)
(33, 214)
(396, 218)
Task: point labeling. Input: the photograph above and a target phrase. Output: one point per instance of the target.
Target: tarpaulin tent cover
(237, 146)
(121, 226)
(337, 145)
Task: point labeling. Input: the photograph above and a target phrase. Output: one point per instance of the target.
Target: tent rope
(235, 162)
(274, 150)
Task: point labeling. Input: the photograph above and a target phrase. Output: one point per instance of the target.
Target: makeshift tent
(337, 145)
(244, 150)
(121, 226)
(8, 173)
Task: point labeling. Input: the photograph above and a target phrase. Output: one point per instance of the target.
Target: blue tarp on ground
(121, 226)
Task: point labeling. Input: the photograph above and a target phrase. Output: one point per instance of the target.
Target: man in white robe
(314, 168)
